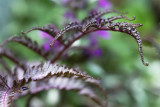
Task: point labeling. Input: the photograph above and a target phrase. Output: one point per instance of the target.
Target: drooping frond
(131, 29)
(128, 28)
(86, 23)
(10, 55)
(108, 25)
(26, 41)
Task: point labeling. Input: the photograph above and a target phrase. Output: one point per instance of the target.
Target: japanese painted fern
(26, 79)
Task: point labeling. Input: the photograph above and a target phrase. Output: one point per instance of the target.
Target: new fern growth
(50, 75)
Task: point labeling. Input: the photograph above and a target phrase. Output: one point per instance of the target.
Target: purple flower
(95, 35)
(47, 40)
(94, 50)
(45, 35)
(65, 1)
(103, 34)
(69, 16)
(46, 47)
(75, 4)
(93, 40)
(97, 52)
(105, 4)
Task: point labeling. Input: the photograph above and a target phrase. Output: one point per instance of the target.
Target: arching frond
(26, 41)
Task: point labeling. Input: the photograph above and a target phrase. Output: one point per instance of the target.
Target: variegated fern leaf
(92, 23)
(47, 76)
(95, 22)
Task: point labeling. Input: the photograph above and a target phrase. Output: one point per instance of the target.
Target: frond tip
(131, 29)
(50, 29)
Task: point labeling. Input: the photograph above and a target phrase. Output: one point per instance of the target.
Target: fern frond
(108, 25)
(47, 70)
(51, 76)
(78, 26)
(26, 41)
(49, 29)
(131, 29)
